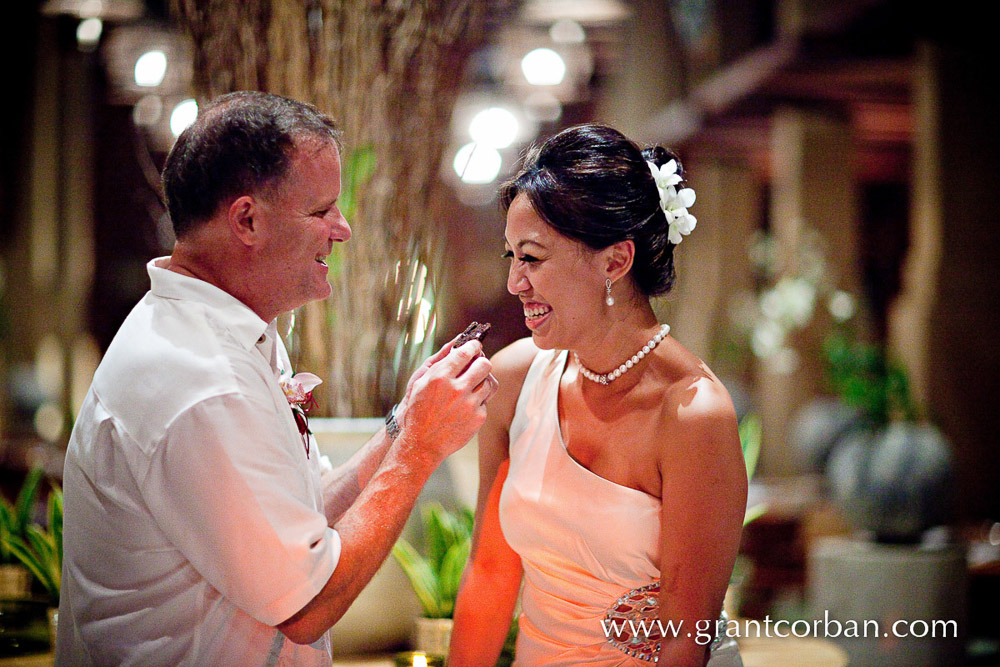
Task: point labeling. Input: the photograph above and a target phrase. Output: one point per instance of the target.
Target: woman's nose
(517, 282)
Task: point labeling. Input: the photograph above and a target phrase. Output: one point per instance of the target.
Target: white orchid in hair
(675, 207)
(666, 175)
(674, 204)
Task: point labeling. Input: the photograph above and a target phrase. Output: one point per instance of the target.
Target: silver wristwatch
(391, 425)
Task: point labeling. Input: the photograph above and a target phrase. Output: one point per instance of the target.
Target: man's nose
(340, 230)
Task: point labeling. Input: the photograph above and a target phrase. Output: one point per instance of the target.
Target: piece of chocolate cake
(474, 330)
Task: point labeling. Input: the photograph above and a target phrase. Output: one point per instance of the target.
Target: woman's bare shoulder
(515, 358)
(697, 404)
(510, 367)
(700, 395)
(700, 453)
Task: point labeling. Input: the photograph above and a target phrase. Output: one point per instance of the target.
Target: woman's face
(558, 280)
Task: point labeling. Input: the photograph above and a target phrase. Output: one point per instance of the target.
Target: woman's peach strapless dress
(584, 541)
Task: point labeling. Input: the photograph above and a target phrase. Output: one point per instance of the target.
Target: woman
(610, 458)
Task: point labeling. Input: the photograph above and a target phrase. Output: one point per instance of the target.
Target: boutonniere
(298, 390)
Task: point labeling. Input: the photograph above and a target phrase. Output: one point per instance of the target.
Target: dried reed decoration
(389, 72)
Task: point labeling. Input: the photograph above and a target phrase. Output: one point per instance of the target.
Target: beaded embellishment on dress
(633, 624)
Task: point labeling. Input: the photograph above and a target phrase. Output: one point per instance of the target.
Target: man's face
(301, 222)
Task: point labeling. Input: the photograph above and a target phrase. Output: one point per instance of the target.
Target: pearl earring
(608, 299)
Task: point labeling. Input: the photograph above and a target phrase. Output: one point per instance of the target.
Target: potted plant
(436, 573)
(891, 477)
(14, 520)
(891, 474)
(39, 549)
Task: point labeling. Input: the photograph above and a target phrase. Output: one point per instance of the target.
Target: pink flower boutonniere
(298, 390)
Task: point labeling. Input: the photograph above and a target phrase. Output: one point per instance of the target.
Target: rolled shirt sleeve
(240, 508)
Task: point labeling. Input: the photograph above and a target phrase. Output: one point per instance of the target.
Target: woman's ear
(618, 259)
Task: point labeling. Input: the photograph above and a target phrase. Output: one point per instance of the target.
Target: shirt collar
(244, 324)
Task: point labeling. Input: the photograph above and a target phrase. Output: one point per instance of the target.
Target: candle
(418, 659)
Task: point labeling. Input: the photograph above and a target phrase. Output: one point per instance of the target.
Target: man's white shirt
(193, 516)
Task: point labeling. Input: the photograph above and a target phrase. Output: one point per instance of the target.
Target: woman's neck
(618, 337)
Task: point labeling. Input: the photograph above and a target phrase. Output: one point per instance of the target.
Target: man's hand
(445, 401)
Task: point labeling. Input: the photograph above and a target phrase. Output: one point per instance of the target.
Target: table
(791, 652)
(756, 652)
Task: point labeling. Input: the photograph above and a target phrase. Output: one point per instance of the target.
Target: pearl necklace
(608, 378)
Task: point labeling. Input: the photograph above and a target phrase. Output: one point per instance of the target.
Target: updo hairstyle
(592, 184)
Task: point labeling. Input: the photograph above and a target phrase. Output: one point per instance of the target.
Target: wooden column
(637, 88)
(944, 324)
(812, 189)
(712, 262)
(910, 317)
(52, 255)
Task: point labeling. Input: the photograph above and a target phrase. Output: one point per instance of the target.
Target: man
(199, 526)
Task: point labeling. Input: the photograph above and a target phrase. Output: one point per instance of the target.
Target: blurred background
(845, 156)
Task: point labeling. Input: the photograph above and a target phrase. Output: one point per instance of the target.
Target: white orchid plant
(767, 318)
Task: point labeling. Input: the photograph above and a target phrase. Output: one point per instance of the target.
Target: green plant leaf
(27, 497)
(450, 576)
(44, 545)
(38, 548)
(754, 513)
(5, 518)
(37, 564)
(433, 539)
(421, 577)
(439, 533)
(56, 520)
(41, 543)
(865, 377)
(751, 432)
(358, 167)
(467, 521)
(437, 574)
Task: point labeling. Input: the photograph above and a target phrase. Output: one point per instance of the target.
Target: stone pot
(15, 582)
(858, 590)
(53, 615)
(893, 482)
(432, 635)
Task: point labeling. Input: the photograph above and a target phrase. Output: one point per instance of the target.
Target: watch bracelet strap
(392, 428)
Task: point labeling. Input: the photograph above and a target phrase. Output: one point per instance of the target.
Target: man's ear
(242, 217)
(618, 259)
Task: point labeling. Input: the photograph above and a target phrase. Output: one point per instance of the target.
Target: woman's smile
(535, 314)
